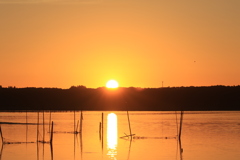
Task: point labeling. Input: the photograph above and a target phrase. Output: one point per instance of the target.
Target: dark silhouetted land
(147, 99)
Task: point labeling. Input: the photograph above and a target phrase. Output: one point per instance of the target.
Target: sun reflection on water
(112, 134)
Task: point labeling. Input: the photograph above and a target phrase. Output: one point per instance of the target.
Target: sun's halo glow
(112, 84)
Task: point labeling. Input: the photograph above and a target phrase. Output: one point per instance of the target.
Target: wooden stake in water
(49, 124)
(43, 129)
(51, 134)
(37, 126)
(51, 146)
(74, 127)
(129, 125)
(1, 134)
(26, 126)
(176, 121)
(180, 128)
(77, 127)
(81, 118)
(37, 151)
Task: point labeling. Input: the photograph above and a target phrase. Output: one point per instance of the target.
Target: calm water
(205, 135)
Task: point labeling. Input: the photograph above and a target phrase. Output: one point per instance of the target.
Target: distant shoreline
(212, 98)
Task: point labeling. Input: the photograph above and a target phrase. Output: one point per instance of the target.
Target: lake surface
(207, 135)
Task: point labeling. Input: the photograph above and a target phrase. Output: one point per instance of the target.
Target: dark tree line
(82, 98)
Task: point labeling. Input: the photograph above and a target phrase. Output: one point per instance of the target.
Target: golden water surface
(205, 135)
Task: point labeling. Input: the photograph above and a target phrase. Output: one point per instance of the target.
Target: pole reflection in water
(112, 135)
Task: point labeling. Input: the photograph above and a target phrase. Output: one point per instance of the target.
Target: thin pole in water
(74, 128)
(129, 125)
(43, 128)
(180, 128)
(49, 124)
(37, 126)
(176, 121)
(81, 118)
(51, 134)
(1, 133)
(26, 126)
(77, 127)
(51, 151)
(37, 151)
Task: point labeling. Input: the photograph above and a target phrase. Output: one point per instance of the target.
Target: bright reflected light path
(112, 135)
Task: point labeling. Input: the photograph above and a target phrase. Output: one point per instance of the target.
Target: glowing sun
(112, 84)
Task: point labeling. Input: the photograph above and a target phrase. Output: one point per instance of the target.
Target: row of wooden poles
(51, 125)
(179, 131)
(101, 128)
(75, 131)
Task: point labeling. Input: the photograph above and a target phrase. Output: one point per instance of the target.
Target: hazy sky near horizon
(140, 43)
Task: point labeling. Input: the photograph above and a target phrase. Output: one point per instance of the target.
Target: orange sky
(140, 43)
